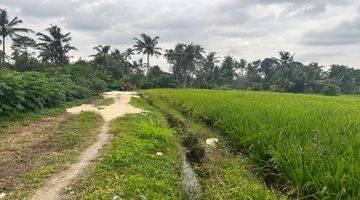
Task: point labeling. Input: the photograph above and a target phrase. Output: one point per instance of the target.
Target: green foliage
(84, 76)
(312, 141)
(157, 78)
(148, 46)
(30, 91)
(75, 132)
(331, 89)
(184, 60)
(151, 131)
(117, 85)
(256, 86)
(55, 46)
(227, 70)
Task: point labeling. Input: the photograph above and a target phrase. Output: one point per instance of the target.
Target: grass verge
(131, 167)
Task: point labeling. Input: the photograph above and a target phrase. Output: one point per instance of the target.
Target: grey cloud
(241, 33)
(223, 25)
(295, 7)
(345, 33)
(313, 56)
(42, 8)
(91, 17)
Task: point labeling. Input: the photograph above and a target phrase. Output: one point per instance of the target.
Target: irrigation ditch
(190, 151)
(201, 160)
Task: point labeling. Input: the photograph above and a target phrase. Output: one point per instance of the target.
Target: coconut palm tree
(102, 55)
(22, 44)
(286, 58)
(8, 28)
(185, 59)
(102, 50)
(147, 45)
(128, 53)
(55, 46)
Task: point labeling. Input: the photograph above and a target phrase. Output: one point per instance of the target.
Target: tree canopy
(55, 46)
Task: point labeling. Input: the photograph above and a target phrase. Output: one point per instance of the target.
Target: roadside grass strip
(142, 162)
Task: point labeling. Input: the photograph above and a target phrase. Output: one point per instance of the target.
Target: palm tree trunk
(185, 80)
(3, 56)
(147, 67)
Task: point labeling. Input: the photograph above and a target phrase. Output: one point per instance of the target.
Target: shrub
(85, 76)
(257, 86)
(97, 86)
(117, 84)
(29, 91)
(331, 89)
(146, 85)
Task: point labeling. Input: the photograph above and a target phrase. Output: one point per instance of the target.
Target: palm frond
(14, 22)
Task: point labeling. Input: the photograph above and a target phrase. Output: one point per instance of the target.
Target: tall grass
(312, 141)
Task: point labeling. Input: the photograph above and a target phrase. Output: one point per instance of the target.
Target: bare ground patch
(23, 150)
(38, 150)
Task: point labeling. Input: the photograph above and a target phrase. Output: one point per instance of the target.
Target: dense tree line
(190, 65)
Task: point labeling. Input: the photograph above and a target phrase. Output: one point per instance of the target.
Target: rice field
(312, 142)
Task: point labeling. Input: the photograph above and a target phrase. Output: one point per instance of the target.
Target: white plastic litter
(2, 195)
(212, 142)
(159, 153)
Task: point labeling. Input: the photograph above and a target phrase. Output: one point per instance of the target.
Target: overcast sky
(324, 31)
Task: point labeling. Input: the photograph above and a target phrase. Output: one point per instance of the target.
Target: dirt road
(52, 189)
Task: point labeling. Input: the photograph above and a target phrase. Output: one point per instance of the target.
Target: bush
(97, 86)
(85, 76)
(29, 91)
(117, 84)
(146, 85)
(257, 86)
(331, 89)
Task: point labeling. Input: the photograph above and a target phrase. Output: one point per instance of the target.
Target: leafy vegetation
(331, 89)
(310, 141)
(95, 81)
(131, 168)
(55, 46)
(30, 91)
(147, 45)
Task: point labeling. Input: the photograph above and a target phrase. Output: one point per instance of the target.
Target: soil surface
(52, 189)
(22, 150)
